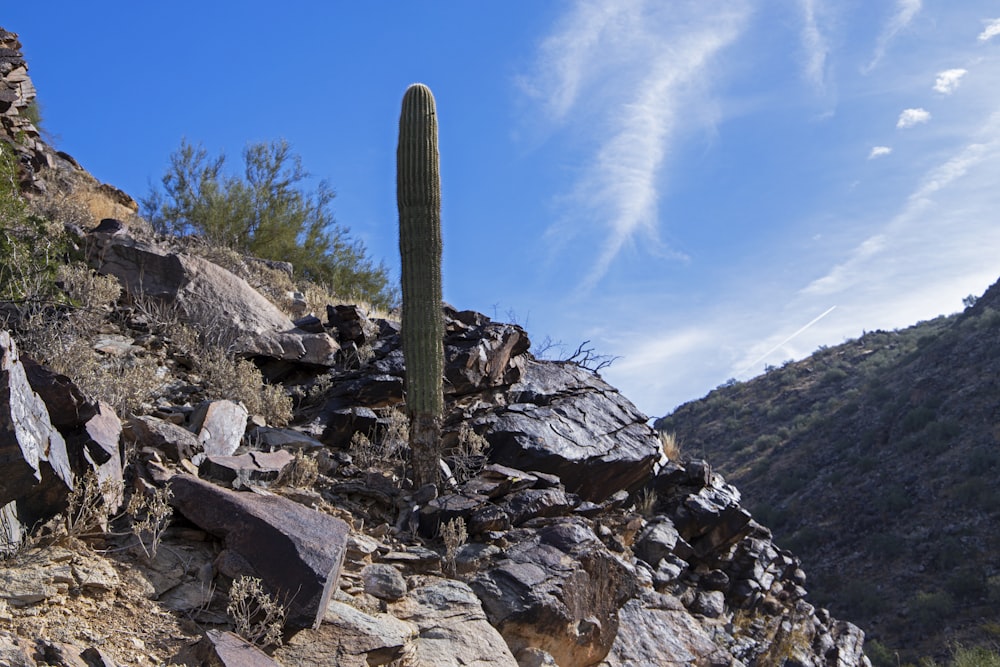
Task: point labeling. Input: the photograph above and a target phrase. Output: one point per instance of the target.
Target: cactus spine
(418, 196)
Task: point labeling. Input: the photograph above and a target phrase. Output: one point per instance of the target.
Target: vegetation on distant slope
(268, 212)
(875, 462)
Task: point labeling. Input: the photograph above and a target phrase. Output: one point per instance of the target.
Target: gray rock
(556, 588)
(225, 649)
(348, 637)
(174, 441)
(296, 551)
(657, 630)
(219, 426)
(33, 456)
(383, 581)
(452, 628)
(656, 541)
(252, 466)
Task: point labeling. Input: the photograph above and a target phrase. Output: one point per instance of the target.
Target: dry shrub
(468, 458)
(256, 616)
(387, 450)
(239, 380)
(454, 535)
(301, 473)
(124, 383)
(89, 505)
(63, 208)
(155, 510)
(646, 501)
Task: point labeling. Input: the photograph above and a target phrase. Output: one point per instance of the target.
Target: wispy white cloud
(911, 117)
(948, 80)
(879, 151)
(815, 45)
(662, 58)
(906, 11)
(991, 30)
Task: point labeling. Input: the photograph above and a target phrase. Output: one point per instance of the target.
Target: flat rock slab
(297, 552)
(219, 426)
(256, 466)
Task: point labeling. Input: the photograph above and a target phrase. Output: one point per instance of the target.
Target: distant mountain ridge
(875, 461)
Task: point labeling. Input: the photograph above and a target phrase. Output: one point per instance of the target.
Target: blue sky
(701, 187)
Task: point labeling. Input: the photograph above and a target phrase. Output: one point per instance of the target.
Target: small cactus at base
(418, 196)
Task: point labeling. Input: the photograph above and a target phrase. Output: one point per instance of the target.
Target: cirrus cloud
(879, 151)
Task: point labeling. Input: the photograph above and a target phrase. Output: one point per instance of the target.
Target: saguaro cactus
(418, 196)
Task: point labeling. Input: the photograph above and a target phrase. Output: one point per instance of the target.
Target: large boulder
(452, 629)
(565, 420)
(656, 630)
(349, 637)
(556, 588)
(211, 299)
(297, 552)
(32, 451)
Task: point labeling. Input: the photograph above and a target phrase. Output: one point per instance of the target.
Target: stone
(33, 455)
(709, 603)
(452, 628)
(556, 588)
(225, 649)
(268, 439)
(211, 299)
(712, 519)
(95, 657)
(242, 469)
(219, 426)
(383, 581)
(564, 420)
(656, 541)
(528, 504)
(348, 637)
(297, 552)
(177, 443)
(66, 404)
(657, 630)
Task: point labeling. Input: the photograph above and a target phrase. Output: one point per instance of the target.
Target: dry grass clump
(468, 458)
(454, 535)
(668, 442)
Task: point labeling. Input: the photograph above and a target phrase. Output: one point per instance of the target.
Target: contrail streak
(786, 341)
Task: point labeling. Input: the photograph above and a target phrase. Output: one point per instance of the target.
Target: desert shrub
(454, 535)
(256, 616)
(229, 377)
(150, 514)
(965, 584)
(468, 457)
(975, 657)
(927, 609)
(880, 654)
(301, 473)
(267, 212)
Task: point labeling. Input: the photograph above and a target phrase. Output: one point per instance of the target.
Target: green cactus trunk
(418, 195)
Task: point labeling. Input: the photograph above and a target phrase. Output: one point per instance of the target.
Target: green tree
(267, 212)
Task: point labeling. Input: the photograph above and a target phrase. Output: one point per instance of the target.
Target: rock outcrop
(560, 535)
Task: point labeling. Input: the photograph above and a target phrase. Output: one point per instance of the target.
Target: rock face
(557, 589)
(564, 420)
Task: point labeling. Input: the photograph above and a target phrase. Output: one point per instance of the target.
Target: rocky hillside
(200, 465)
(876, 462)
